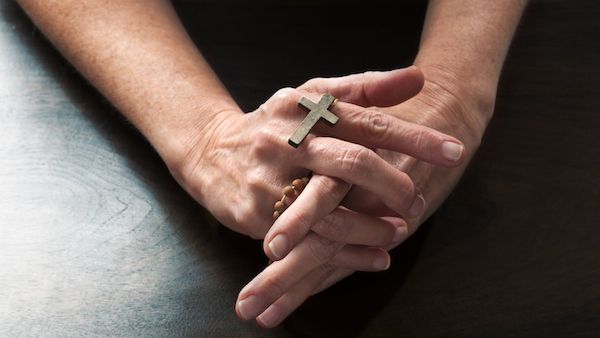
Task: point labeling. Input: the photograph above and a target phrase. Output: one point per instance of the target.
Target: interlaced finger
(314, 252)
(374, 129)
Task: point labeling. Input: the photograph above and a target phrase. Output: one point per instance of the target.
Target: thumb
(381, 89)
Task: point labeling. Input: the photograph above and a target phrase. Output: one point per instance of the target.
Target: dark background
(97, 239)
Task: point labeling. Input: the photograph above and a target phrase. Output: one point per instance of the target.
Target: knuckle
(357, 86)
(244, 210)
(244, 214)
(321, 249)
(405, 229)
(419, 139)
(284, 99)
(257, 234)
(297, 221)
(402, 223)
(255, 182)
(363, 87)
(388, 235)
(326, 268)
(274, 286)
(355, 159)
(312, 84)
(331, 227)
(376, 126)
(283, 93)
(265, 142)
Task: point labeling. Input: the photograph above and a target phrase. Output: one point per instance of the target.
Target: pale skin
(341, 222)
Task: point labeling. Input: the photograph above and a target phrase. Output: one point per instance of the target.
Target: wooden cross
(317, 111)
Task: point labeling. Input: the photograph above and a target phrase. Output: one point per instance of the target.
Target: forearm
(463, 47)
(139, 56)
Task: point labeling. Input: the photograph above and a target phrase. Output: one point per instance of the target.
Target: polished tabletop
(97, 239)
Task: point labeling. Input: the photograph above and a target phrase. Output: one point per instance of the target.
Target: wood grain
(96, 238)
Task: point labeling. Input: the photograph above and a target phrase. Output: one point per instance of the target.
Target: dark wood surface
(96, 238)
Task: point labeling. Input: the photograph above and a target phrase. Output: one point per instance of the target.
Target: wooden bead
(276, 215)
(279, 206)
(289, 191)
(298, 184)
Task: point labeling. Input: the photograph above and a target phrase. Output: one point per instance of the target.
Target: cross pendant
(317, 111)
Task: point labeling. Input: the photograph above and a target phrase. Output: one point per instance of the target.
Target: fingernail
(399, 234)
(249, 307)
(270, 317)
(278, 246)
(452, 151)
(381, 263)
(417, 207)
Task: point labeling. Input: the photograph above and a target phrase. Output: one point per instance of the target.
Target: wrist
(465, 102)
(189, 142)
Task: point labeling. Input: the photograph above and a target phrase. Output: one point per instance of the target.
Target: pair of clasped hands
(356, 206)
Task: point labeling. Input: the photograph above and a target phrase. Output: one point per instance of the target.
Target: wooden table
(97, 239)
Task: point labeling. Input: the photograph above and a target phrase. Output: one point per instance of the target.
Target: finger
(363, 167)
(293, 298)
(313, 252)
(280, 276)
(353, 257)
(361, 258)
(321, 195)
(374, 129)
(381, 89)
(350, 227)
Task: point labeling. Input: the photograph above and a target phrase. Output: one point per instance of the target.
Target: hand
(238, 169)
(428, 108)
(441, 105)
(285, 284)
(244, 160)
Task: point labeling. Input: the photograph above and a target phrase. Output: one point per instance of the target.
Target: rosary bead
(279, 206)
(298, 184)
(288, 191)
